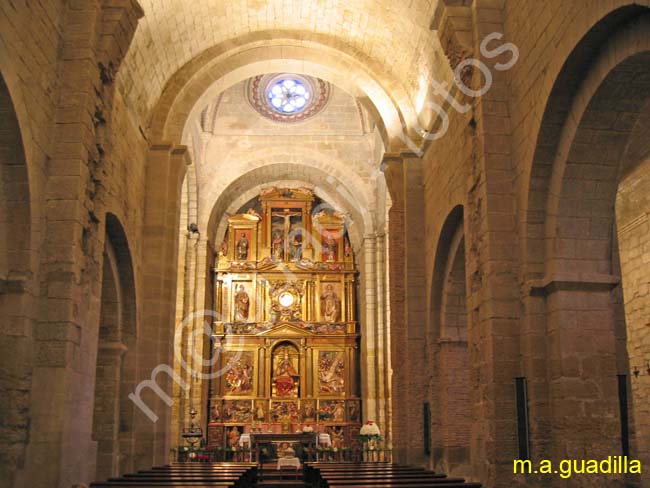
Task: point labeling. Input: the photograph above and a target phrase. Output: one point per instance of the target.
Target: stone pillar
(404, 178)
(107, 408)
(166, 168)
(383, 342)
(582, 381)
(369, 351)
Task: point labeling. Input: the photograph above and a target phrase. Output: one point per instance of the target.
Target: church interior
(324, 243)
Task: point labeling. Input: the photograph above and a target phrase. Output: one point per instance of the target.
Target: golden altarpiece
(288, 355)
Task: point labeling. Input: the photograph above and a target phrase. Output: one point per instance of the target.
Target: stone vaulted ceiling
(392, 35)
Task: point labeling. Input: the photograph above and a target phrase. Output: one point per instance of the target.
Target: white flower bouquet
(369, 432)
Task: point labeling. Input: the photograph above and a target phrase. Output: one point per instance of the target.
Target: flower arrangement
(369, 432)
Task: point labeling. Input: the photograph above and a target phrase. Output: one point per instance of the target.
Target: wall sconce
(636, 372)
(193, 228)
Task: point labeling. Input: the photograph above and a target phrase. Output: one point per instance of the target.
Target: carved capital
(453, 22)
(119, 22)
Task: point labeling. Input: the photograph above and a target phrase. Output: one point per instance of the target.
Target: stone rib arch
(449, 354)
(566, 101)
(571, 246)
(324, 183)
(18, 268)
(222, 66)
(117, 352)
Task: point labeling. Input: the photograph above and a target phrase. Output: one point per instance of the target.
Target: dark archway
(16, 294)
(451, 389)
(574, 236)
(116, 357)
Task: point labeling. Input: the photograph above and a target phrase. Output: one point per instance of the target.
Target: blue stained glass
(288, 96)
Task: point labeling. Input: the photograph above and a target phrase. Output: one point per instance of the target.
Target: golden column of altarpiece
(288, 345)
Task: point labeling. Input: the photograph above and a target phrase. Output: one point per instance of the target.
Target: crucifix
(280, 244)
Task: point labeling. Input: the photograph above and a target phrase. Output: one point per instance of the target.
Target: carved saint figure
(338, 415)
(337, 435)
(284, 376)
(242, 304)
(277, 246)
(330, 305)
(223, 249)
(239, 378)
(216, 413)
(330, 248)
(309, 412)
(330, 373)
(260, 414)
(242, 248)
(296, 248)
(233, 437)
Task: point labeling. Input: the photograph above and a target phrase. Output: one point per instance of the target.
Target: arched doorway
(588, 166)
(16, 287)
(451, 402)
(113, 415)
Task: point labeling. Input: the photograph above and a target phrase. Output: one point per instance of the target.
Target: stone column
(408, 304)
(369, 351)
(107, 408)
(383, 342)
(582, 379)
(166, 168)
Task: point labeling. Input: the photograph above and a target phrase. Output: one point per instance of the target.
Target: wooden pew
(384, 475)
(187, 476)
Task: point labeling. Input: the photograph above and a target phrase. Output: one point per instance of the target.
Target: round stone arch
(450, 388)
(117, 353)
(571, 245)
(566, 99)
(352, 197)
(326, 194)
(222, 66)
(18, 267)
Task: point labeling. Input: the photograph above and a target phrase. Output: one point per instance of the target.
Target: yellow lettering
(565, 469)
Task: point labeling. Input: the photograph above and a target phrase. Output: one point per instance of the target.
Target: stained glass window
(288, 96)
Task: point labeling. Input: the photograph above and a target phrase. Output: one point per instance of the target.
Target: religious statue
(216, 413)
(353, 412)
(330, 248)
(233, 437)
(260, 414)
(330, 373)
(296, 248)
(337, 435)
(239, 378)
(242, 248)
(309, 412)
(338, 415)
(242, 305)
(284, 376)
(277, 246)
(223, 249)
(330, 305)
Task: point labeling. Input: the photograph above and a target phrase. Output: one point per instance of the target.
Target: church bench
(462, 484)
(395, 480)
(192, 478)
(347, 476)
(174, 484)
(187, 476)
